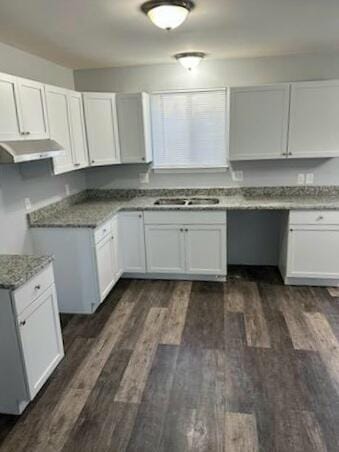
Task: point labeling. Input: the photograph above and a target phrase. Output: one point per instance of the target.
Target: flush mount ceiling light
(190, 60)
(167, 14)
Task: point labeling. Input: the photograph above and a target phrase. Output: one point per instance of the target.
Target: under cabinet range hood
(28, 150)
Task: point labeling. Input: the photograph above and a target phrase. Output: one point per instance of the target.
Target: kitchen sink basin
(203, 201)
(170, 202)
(186, 202)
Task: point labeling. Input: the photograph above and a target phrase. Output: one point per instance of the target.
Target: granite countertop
(94, 207)
(16, 270)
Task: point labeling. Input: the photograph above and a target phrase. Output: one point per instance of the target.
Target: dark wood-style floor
(249, 365)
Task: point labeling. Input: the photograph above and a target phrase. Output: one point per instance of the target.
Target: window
(189, 129)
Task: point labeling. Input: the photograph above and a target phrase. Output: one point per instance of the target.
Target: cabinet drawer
(170, 217)
(30, 291)
(102, 231)
(314, 217)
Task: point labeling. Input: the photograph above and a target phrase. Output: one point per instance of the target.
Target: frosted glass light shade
(189, 60)
(168, 17)
(167, 14)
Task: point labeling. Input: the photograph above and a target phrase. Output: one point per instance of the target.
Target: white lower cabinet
(132, 242)
(30, 342)
(87, 263)
(165, 248)
(310, 248)
(188, 247)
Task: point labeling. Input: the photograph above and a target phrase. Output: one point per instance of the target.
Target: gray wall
(210, 74)
(30, 180)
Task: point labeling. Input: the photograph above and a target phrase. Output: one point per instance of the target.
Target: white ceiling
(102, 33)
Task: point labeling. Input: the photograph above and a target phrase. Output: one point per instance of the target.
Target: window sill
(203, 169)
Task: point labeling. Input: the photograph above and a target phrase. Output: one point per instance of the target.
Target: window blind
(189, 129)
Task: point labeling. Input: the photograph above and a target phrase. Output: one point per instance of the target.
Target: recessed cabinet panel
(314, 114)
(134, 127)
(104, 253)
(165, 249)
(259, 122)
(79, 144)
(313, 252)
(206, 250)
(9, 109)
(102, 128)
(40, 339)
(132, 242)
(33, 109)
(59, 124)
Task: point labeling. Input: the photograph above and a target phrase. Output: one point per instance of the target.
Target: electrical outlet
(67, 189)
(309, 178)
(237, 176)
(28, 204)
(301, 179)
(144, 178)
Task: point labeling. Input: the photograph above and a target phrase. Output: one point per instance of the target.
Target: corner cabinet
(94, 253)
(102, 128)
(66, 123)
(134, 127)
(310, 248)
(259, 122)
(186, 243)
(30, 340)
(314, 114)
(22, 109)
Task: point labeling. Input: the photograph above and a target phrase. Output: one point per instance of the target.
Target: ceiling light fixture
(167, 14)
(190, 60)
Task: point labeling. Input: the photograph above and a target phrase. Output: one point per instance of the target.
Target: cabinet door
(117, 260)
(165, 250)
(206, 249)
(258, 122)
(134, 129)
(59, 125)
(104, 253)
(102, 128)
(79, 142)
(10, 115)
(314, 114)
(132, 242)
(313, 252)
(41, 341)
(33, 109)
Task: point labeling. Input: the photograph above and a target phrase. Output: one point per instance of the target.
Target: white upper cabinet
(67, 127)
(259, 122)
(102, 128)
(9, 111)
(33, 109)
(314, 119)
(79, 141)
(134, 127)
(59, 125)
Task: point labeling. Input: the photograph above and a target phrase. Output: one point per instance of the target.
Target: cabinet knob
(320, 218)
(143, 159)
(291, 230)
(290, 153)
(140, 216)
(186, 230)
(23, 323)
(28, 133)
(76, 164)
(37, 287)
(93, 161)
(181, 230)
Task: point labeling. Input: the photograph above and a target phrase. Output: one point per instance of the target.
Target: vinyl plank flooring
(169, 366)
(205, 316)
(240, 433)
(291, 307)
(176, 316)
(150, 420)
(244, 297)
(333, 291)
(136, 374)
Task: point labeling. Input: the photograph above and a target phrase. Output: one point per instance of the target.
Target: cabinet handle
(23, 323)
(320, 218)
(28, 133)
(77, 164)
(37, 287)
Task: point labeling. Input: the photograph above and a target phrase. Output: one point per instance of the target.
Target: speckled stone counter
(91, 208)
(16, 270)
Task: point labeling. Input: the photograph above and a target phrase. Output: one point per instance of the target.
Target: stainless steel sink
(203, 201)
(170, 202)
(186, 202)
